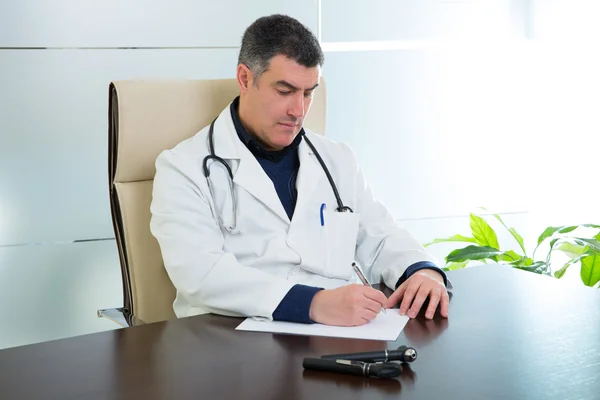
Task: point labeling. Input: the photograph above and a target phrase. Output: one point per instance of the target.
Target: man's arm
(191, 243)
(295, 306)
(421, 265)
(390, 253)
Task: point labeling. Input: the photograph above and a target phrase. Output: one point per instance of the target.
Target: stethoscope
(212, 156)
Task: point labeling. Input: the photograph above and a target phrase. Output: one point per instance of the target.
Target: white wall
(421, 20)
(151, 23)
(467, 104)
(430, 95)
(57, 62)
(565, 91)
(464, 104)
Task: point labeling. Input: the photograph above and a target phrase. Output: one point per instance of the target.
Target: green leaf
(570, 249)
(591, 226)
(549, 231)
(590, 269)
(597, 237)
(561, 272)
(549, 255)
(510, 256)
(538, 267)
(522, 262)
(473, 253)
(568, 229)
(455, 238)
(592, 243)
(518, 238)
(513, 232)
(453, 266)
(552, 243)
(483, 232)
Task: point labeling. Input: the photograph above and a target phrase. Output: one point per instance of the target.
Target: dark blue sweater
(282, 167)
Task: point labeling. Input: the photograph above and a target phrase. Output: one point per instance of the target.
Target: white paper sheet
(385, 327)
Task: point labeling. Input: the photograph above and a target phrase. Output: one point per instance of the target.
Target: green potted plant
(483, 246)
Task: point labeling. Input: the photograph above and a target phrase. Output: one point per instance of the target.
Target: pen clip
(353, 363)
(321, 212)
(359, 363)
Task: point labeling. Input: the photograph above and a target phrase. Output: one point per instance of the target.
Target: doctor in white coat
(255, 227)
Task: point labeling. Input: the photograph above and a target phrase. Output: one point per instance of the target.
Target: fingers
(415, 296)
(413, 293)
(371, 305)
(396, 296)
(375, 295)
(369, 315)
(434, 299)
(373, 300)
(418, 301)
(409, 294)
(445, 301)
(364, 317)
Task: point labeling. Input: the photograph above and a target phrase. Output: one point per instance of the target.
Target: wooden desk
(510, 335)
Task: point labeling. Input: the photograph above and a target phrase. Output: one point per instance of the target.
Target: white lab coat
(249, 273)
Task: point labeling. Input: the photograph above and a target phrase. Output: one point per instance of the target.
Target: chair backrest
(145, 118)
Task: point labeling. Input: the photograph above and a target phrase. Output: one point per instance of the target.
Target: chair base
(121, 317)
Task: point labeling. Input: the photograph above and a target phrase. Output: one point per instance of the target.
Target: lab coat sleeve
(191, 243)
(384, 249)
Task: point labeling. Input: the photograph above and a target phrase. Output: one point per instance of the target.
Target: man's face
(274, 108)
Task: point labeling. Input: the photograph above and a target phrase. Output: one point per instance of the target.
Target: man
(269, 243)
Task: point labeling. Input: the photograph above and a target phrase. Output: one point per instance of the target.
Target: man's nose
(297, 107)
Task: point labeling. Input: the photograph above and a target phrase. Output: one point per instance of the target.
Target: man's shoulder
(197, 145)
(330, 148)
(192, 147)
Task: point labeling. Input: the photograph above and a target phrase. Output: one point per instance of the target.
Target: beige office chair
(145, 118)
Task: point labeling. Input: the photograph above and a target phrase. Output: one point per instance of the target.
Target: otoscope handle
(359, 368)
(403, 353)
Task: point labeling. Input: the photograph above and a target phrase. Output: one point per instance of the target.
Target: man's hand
(422, 284)
(349, 305)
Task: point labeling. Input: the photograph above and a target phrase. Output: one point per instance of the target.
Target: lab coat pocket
(341, 232)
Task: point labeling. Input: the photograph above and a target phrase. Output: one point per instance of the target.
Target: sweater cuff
(419, 266)
(295, 306)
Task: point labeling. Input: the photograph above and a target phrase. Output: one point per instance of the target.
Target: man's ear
(244, 77)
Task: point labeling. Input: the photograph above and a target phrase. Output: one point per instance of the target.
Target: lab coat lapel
(251, 176)
(309, 179)
(248, 174)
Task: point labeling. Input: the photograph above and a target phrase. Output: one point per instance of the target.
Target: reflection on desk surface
(523, 337)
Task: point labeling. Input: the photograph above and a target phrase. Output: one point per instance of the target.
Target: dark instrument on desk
(350, 367)
(403, 354)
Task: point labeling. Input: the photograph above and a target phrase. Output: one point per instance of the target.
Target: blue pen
(322, 219)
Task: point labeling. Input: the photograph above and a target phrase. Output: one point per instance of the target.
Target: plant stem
(550, 253)
(534, 250)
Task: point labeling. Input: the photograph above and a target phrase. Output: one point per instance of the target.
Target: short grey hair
(278, 34)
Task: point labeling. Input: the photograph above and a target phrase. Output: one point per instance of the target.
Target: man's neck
(244, 118)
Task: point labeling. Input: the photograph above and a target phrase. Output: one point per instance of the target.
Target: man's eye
(283, 93)
(308, 94)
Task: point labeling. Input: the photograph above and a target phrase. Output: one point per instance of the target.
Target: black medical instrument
(352, 367)
(403, 353)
